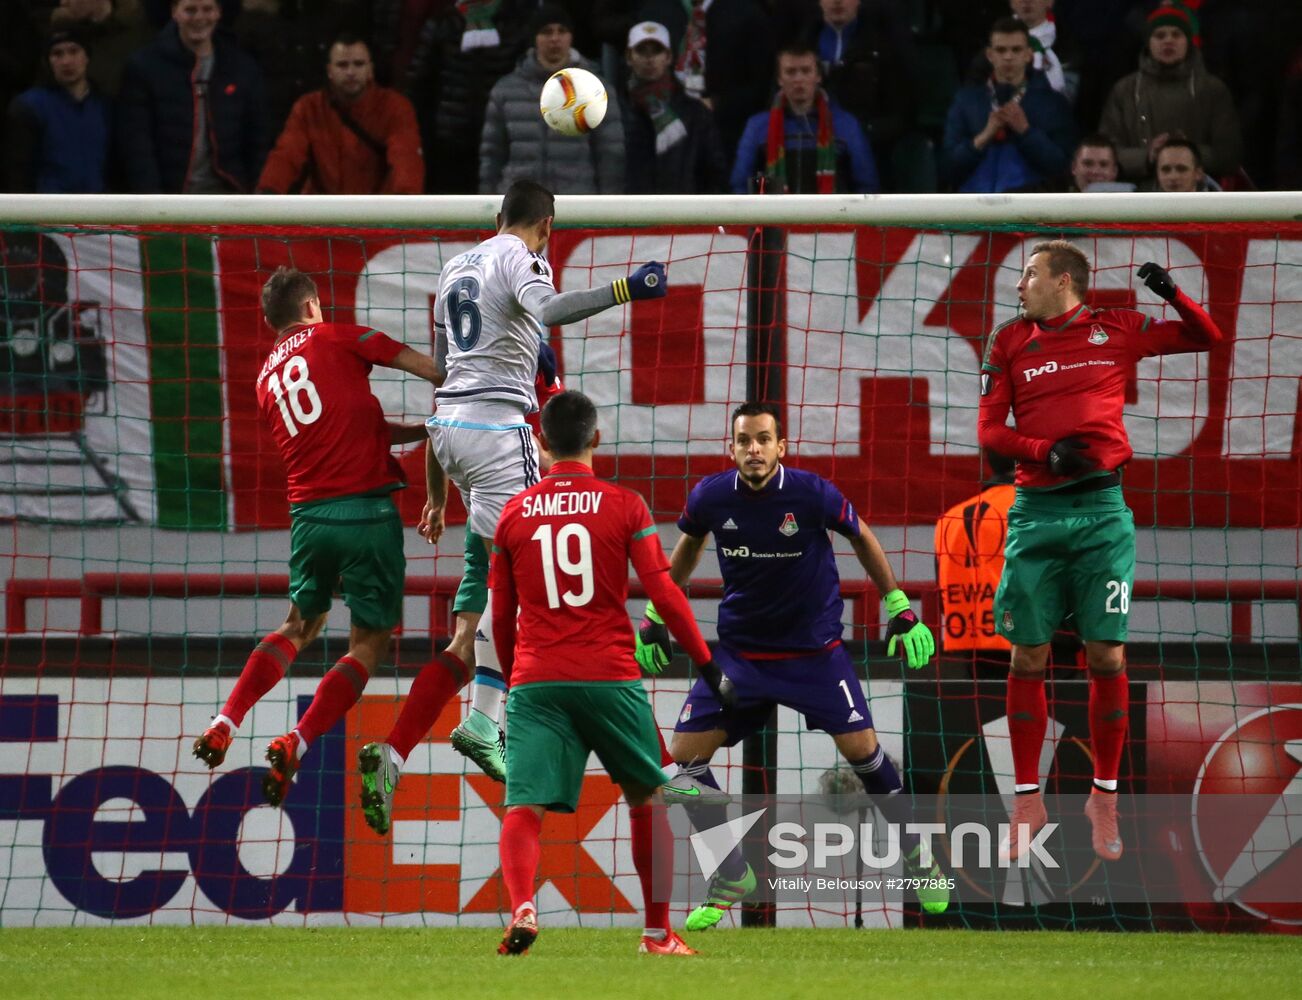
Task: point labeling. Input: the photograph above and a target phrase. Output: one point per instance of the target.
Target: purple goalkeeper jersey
(781, 588)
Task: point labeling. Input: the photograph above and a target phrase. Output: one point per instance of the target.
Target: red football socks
(437, 682)
(335, 695)
(262, 671)
(1109, 720)
(520, 848)
(1028, 718)
(653, 857)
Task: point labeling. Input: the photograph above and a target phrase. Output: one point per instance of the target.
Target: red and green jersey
(1066, 377)
(315, 393)
(561, 556)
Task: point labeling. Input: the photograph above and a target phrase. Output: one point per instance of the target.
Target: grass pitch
(266, 962)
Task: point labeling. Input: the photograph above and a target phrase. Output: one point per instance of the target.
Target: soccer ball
(573, 101)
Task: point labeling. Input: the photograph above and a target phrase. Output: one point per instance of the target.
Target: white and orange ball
(573, 101)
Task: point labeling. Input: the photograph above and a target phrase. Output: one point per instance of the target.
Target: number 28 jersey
(315, 394)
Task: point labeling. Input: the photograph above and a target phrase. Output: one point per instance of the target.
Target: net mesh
(146, 545)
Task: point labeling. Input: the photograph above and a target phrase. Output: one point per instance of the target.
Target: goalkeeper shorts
(1072, 554)
(555, 725)
(822, 686)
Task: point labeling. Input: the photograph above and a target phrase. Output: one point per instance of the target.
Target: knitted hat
(71, 33)
(551, 13)
(1175, 15)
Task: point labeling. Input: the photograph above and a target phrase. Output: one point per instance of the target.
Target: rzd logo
(1250, 853)
(1048, 368)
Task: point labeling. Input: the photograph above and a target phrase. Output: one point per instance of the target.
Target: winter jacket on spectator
(856, 170)
(112, 41)
(867, 69)
(156, 115)
(1013, 162)
(291, 52)
(518, 144)
(319, 152)
(57, 144)
(694, 162)
(1184, 99)
(738, 57)
(449, 82)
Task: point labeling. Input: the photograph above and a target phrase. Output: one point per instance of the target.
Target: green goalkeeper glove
(904, 626)
(652, 650)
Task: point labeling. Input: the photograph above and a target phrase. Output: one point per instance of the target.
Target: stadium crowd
(707, 96)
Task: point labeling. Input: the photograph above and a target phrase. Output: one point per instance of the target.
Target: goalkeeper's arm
(670, 602)
(903, 625)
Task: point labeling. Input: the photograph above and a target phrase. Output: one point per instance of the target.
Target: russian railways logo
(1048, 368)
(1249, 856)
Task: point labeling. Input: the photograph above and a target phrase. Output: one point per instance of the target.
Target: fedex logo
(113, 819)
(1048, 368)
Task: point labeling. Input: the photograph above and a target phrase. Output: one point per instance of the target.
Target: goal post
(145, 537)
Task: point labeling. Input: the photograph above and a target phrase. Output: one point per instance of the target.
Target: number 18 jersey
(315, 394)
(492, 340)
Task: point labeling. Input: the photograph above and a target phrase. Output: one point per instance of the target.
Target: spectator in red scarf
(806, 143)
(673, 145)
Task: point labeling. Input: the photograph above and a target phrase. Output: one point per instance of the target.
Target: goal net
(146, 533)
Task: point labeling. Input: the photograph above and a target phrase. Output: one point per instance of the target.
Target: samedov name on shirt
(560, 504)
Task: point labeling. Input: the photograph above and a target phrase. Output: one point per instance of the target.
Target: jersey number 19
(556, 555)
(290, 396)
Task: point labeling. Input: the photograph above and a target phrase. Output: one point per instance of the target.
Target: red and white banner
(882, 330)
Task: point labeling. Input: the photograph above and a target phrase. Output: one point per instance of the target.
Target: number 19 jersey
(563, 548)
(315, 394)
(492, 339)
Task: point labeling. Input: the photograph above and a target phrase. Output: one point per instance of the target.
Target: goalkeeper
(779, 634)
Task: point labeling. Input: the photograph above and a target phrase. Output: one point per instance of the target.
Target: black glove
(1067, 458)
(719, 683)
(648, 282)
(547, 363)
(1158, 281)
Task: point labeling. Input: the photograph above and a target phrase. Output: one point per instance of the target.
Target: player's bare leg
(380, 764)
(520, 848)
(735, 879)
(479, 736)
(266, 665)
(1109, 711)
(1028, 719)
(338, 691)
(880, 779)
(653, 857)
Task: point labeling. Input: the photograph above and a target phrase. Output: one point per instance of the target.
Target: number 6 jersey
(315, 394)
(483, 315)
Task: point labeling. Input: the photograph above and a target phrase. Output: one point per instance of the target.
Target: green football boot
(379, 782)
(933, 893)
(479, 738)
(720, 897)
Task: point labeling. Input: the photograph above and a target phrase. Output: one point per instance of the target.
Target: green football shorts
(355, 544)
(1067, 554)
(552, 726)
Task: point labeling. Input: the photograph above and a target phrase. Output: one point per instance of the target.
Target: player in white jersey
(493, 307)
